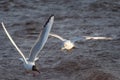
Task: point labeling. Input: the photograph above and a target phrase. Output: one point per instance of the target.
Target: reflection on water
(24, 19)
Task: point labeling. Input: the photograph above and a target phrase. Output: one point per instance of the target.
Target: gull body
(66, 44)
(29, 63)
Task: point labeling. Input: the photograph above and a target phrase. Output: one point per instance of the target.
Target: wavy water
(94, 60)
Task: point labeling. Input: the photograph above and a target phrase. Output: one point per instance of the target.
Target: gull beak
(38, 71)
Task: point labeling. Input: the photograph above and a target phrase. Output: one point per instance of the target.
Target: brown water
(94, 60)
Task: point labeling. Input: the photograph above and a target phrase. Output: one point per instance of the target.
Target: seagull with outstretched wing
(68, 44)
(29, 63)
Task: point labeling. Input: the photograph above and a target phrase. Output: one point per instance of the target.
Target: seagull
(29, 63)
(68, 44)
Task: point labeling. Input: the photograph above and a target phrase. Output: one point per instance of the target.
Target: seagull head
(31, 67)
(35, 68)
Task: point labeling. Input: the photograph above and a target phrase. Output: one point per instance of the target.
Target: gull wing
(12, 41)
(97, 38)
(78, 39)
(41, 39)
(57, 36)
(84, 38)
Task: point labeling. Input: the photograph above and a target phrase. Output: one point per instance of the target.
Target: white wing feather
(41, 40)
(57, 36)
(12, 41)
(97, 38)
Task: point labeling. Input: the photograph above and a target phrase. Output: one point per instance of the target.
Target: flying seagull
(68, 44)
(29, 63)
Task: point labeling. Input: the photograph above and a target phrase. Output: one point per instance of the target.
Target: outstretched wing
(78, 39)
(57, 36)
(41, 39)
(84, 38)
(12, 41)
(97, 38)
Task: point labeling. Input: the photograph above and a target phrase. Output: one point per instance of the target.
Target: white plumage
(29, 63)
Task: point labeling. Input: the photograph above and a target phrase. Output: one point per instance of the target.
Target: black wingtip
(49, 19)
(52, 15)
